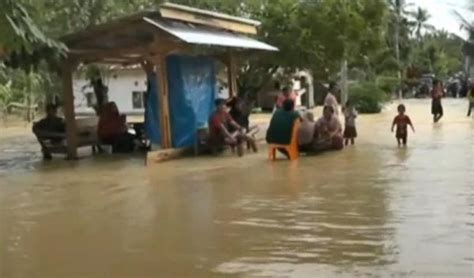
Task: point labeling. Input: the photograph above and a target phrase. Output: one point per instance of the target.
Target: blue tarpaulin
(152, 120)
(192, 87)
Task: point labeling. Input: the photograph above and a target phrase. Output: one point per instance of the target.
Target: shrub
(387, 83)
(367, 97)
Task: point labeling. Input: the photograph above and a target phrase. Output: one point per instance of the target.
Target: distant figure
(220, 126)
(437, 95)
(306, 132)
(112, 129)
(350, 131)
(331, 99)
(401, 122)
(470, 97)
(281, 125)
(101, 94)
(50, 128)
(286, 93)
(328, 135)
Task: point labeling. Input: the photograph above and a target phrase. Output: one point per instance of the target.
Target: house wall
(121, 84)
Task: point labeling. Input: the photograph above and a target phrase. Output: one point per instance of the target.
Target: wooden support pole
(232, 75)
(69, 113)
(163, 101)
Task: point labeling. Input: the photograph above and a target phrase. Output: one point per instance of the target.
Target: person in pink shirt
(285, 94)
(328, 132)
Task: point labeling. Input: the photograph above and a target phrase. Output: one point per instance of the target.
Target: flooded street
(372, 210)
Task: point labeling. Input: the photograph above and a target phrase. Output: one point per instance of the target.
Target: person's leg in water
(250, 137)
(352, 141)
(46, 154)
(399, 141)
(251, 143)
(439, 114)
(469, 111)
(238, 142)
(404, 140)
(346, 141)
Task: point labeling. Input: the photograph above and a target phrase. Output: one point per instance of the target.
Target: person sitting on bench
(52, 128)
(113, 130)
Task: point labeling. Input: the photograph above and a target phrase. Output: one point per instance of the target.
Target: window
(90, 99)
(138, 100)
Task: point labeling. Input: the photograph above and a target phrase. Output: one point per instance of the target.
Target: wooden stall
(148, 38)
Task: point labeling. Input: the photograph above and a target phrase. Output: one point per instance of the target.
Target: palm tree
(421, 17)
(399, 10)
(468, 47)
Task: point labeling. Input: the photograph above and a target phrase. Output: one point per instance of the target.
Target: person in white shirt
(306, 132)
(350, 115)
(331, 99)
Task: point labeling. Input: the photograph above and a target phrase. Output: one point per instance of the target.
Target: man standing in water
(437, 95)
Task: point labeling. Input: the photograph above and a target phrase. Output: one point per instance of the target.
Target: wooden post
(232, 75)
(163, 101)
(69, 113)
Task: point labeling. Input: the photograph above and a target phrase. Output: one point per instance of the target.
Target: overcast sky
(442, 13)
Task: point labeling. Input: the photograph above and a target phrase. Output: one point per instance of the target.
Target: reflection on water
(372, 210)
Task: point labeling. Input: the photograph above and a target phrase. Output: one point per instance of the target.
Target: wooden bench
(87, 136)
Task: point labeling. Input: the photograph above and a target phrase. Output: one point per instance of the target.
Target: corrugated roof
(194, 34)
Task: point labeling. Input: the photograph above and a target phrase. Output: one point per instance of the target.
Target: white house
(127, 86)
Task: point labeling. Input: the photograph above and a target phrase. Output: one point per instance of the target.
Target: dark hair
(349, 102)
(51, 107)
(285, 89)
(277, 85)
(436, 82)
(288, 105)
(220, 101)
(328, 107)
(401, 107)
(332, 86)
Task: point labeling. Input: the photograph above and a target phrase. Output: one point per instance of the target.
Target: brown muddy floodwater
(372, 210)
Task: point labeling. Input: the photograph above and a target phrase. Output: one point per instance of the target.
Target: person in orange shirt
(401, 122)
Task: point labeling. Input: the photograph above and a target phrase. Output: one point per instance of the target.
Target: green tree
(421, 17)
(19, 31)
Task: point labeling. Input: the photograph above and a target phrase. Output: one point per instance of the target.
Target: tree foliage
(315, 35)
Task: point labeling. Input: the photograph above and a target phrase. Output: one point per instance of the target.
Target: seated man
(220, 123)
(51, 128)
(328, 132)
(240, 113)
(281, 125)
(306, 132)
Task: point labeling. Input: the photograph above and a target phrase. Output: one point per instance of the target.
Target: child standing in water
(402, 122)
(350, 131)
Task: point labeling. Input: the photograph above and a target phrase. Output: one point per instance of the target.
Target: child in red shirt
(402, 122)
